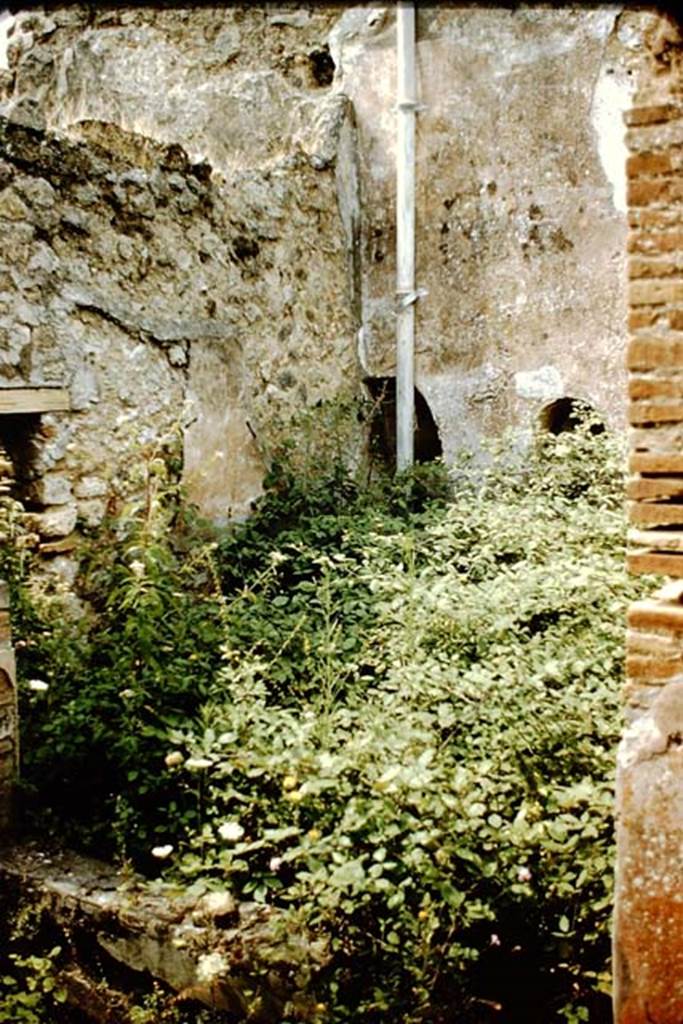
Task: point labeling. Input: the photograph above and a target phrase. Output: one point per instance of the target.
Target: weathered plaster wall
(521, 204)
(521, 216)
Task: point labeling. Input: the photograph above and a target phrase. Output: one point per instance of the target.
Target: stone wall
(648, 942)
(521, 217)
(162, 290)
(520, 205)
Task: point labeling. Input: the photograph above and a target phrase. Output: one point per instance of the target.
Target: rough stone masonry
(197, 204)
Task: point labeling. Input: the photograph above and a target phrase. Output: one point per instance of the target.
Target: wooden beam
(18, 401)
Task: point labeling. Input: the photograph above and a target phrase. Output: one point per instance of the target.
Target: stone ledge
(231, 957)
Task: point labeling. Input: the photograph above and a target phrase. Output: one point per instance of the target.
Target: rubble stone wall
(162, 290)
(521, 217)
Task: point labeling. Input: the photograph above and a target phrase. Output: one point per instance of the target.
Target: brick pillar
(8, 715)
(648, 926)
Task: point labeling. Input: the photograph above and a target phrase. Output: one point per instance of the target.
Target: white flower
(494, 940)
(39, 685)
(275, 863)
(162, 852)
(137, 568)
(231, 831)
(523, 874)
(173, 759)
(127, 694)
(197, 763)
(210, 966)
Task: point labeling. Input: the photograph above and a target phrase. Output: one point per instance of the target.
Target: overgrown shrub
(393, 715)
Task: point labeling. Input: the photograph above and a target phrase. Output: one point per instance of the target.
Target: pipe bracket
(406, 297)
(414, 105)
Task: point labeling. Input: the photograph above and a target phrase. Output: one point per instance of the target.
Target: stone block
(652, 667)
(657, 242)
(656, 615)
(61, 546)
(649, 266)
(657, 540)
(57, 521)
(51, 489)
(90, 487)
(92, 511)
(645, 641)
(655, 514)
(217, 962)
(646, 191)
(655, 219)
(12, 207)
(651, 488)
(657, 439)
(655, 562)
(655, 293)
(655, 386)
(655, 412)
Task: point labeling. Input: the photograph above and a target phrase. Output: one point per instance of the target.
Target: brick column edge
(648, 916)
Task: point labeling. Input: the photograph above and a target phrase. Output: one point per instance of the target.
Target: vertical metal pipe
(405, 234)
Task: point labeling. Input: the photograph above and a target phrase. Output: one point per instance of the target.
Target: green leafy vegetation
(31, 990)
(391, 711)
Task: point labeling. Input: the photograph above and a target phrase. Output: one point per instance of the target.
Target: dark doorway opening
(427, 441)
(18, 448)
(566, 414)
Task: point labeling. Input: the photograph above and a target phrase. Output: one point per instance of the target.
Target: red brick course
(655, 114)
(648, 918)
